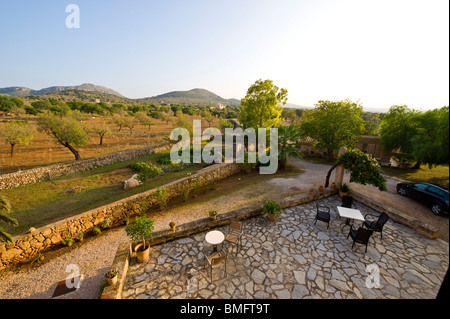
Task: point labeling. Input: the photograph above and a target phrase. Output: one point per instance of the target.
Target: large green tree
(333, 124)
(262, 106)
(421, 137)
(66, 131)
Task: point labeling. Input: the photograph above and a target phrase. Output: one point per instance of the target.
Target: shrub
(146, 170)
(140, 229)
(161, 197)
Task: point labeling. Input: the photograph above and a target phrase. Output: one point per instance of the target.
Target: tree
(287, 143)
(102, 130)
(208, 117)
(371, 123)
(175, 109)
(363, 168)
(5, 210)
(66, 131)
(144, 119)
(421, 137)
(17, 132)
(333, 124)
(262, 106)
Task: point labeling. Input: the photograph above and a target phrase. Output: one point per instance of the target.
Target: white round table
(214, 238)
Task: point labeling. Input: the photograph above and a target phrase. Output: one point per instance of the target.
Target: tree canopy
(262, 106)
(66, 131)
(417, 136)
(333, 124)
(17, 132)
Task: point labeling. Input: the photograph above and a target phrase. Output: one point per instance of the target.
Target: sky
(380, 53)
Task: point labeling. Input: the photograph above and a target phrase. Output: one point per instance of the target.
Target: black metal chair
(347, 201)
(360, 236)
(323, 214)
(378, 224)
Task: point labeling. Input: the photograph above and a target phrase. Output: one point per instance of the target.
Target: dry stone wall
(26, 247)
(35, 175)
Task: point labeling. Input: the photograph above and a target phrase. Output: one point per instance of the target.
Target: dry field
(43, 150)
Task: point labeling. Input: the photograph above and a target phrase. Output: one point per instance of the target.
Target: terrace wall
(26, 247)
(38, 174)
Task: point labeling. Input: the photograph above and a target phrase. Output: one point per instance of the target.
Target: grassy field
(48, 201)
(436, 175)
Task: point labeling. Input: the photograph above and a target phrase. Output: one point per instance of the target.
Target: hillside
(193, 97)
(23, 91)
(80, 95)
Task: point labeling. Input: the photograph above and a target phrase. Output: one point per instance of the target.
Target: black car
(427, 194)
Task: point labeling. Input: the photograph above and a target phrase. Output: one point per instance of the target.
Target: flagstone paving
(293, 258)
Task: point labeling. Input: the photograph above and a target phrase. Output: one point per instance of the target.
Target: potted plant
(107, 223)
(139, 229)
(126, 220)
(68, 241)
(212, 214)
(311, 190)
(321, 188)
(272, 208)
(333, 185)
(344, 189)
(172, 226)
(111, 277)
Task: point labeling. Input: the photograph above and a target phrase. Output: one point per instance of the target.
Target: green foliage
(345, 188)
(419, 136)
(96, 231)
(146, 170)
(64, 130)
(17, 132)
(5, 211)
(67, 241)
(161, 197)
(334, 124)
(287, 140)
(140, 229)
(262, 106)
(272, 207)
(212, 213)
(363, 168)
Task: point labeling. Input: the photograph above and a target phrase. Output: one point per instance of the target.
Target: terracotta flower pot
(341, 193)
(321, 188)
(142, 254)
(112, 281)
(271, 217)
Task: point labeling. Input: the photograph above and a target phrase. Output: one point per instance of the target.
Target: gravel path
(95, 255)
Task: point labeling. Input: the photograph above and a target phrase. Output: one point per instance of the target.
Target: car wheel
(437, 208)
(401, 191)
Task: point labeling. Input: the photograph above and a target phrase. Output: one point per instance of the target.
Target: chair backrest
(382, 219)
(218, 260)
(363, 235)
(347, 201)
(321, 208)
(235, 226)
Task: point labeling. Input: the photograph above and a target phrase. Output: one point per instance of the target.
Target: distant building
(220, 106)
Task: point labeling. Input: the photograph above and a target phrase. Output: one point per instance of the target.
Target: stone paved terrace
(293, 258)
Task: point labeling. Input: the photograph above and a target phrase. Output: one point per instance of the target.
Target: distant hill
(23, 91)
(192, 97)
(90, 93)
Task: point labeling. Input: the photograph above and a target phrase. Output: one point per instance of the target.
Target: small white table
(350, 213)
(214, 238)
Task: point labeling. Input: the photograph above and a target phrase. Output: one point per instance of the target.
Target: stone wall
(35, 175)
(26, 247)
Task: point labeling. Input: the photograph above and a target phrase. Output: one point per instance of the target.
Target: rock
(299, 292)
(258, 276)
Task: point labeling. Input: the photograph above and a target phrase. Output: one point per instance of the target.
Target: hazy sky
(380, 52)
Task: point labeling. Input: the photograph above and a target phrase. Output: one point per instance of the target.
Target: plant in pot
(212, 214)
(311, 190)
(107, 223)
(111, 277)
(321, 188)
(344, 189)
(140, 229)
(272, 208)
(172, 226)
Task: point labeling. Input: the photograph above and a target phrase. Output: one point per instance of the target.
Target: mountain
(194, 96)
(23, 91)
